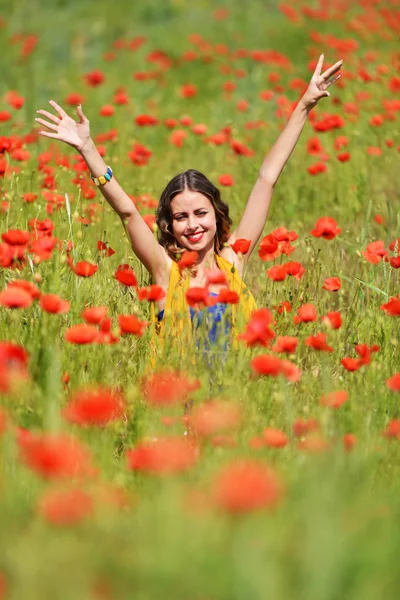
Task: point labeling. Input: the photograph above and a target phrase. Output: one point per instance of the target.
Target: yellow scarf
(176, 322)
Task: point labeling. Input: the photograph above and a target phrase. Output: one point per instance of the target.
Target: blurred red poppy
(65, 506)
(334, 399)
(94, 314)
(318, 342)
(97, 406)
(153, 293)
(246, 485)
(393, 383)
(188, 259)
(163, 456)
(275, 438)
(83, 268)
(285, 343)
(374, 252)
(258, 332)
(226, 180)
(215, 416)
(168, 387)
(332, 320)
(15, 297)
(130, 324)
(81, 334)
(305, 314)
(392, 307)
(54, 456)
(52, 303)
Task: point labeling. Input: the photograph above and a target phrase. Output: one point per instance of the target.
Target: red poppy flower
(107, 110)
(52, 303)
(65, 506)
(302, 427)
(197, 297)
(27, 286)
(241, 149)
(266, 364)
(226, 180)
(30, 197)
(258, 332)
(286, 343)
(15, 297)
(334, 399)
(246, 485)
(215, 417)
(241, 246)
(365, 352)
(188, 259)
(102, 246)
(168, 387)
(343, 156)
(349, 441)
(55, 456)
(94, 314)
(15, 237)
(188, 91)
(316, 168)
(269, 248)
(125, 275)
(153, 293)
(393, 383)
(283, 307)
(216, 276)
(83, 268)
(130, 324)
(290, 371)
(275, 438)
(392, 307)
(98, 406)
(313, 444)
(318, 342)
(332, 320)
(81, 334)
(379, 219)
(351, 364)
(393, 429)
(326, 227)
(277, 273)
(177, 137)
(227, 296)
(163, 456)
(305, 314)
(332, 284)
(374, 252)
(94, 78)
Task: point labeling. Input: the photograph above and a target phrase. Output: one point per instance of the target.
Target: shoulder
(231, 256)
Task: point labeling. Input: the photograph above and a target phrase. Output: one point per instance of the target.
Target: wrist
(85, 147)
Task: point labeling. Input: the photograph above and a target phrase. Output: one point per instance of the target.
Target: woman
(191, 214)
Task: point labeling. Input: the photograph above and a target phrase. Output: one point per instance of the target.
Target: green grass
(334, 532)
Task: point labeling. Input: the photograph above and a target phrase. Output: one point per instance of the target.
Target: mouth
(193, 239)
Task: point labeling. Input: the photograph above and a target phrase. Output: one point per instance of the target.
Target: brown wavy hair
(195, 182)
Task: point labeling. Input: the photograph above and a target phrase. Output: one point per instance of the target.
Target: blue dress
(213, 315)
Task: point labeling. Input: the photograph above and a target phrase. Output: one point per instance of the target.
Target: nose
(192, 223)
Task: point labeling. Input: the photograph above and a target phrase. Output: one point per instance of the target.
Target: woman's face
(193, 221)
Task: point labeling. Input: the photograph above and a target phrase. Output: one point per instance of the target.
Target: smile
(195, 238)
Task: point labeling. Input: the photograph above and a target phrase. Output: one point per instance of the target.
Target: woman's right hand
(65, 128)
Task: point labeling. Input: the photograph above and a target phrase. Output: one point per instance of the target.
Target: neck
(206, 258)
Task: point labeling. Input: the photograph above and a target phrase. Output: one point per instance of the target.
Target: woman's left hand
(319, 83)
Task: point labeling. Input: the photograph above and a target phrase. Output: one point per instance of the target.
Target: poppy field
(271, 470)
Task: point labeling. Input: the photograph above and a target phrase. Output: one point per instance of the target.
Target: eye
(202, 213)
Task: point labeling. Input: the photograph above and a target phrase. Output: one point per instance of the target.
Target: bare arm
(255, 214)
(77, 135)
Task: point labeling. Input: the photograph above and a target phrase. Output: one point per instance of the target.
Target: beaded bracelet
(103, 178)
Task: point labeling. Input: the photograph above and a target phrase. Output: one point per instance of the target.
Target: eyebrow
(183, 212)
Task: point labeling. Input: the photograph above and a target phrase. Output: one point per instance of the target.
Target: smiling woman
(191, 214)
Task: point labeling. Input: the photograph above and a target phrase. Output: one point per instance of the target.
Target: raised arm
(255, 214)
(77, 135)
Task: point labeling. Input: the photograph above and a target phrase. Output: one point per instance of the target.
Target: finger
(79, 111)
(46, 124)
(330, 81)
(49, 115)
(318, 68)
(50, 135)
(58, 108)
(332, 69)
